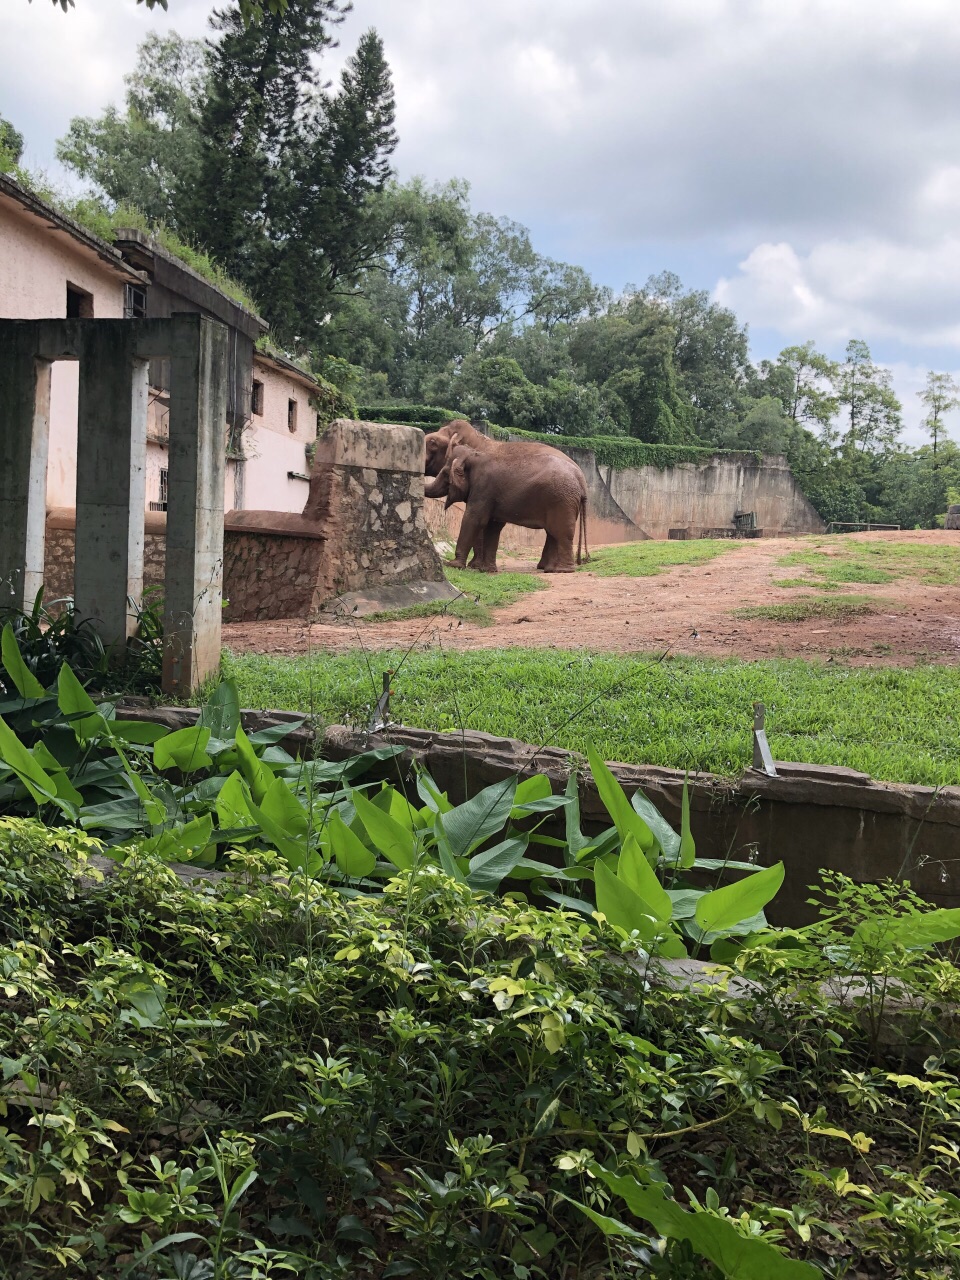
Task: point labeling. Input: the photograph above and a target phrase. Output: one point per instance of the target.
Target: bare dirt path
(686, 609)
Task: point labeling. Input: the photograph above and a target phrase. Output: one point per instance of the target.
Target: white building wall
(272, 450)
(36, 263)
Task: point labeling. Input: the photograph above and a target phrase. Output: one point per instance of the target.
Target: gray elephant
(546, 492)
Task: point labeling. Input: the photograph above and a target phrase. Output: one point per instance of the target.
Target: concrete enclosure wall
(646, 502)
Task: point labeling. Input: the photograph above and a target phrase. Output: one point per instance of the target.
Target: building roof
(282, 364)
(166, 270)
(11, 192)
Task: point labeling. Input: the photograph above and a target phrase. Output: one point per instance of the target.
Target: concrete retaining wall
(812, 817)
(646, 502)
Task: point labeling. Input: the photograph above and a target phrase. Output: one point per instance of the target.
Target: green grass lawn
(481, 593)
(899, 725)
(839, 560)
(643, 559)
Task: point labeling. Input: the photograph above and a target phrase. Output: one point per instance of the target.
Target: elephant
(520, 452)
(548, 492)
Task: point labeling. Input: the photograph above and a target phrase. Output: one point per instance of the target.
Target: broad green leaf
(394, 841)
(688, 849)
(146, 997)
(625, 818)
(726, 907)
(28, 686)
(737, 1256)
(576, 840)
(23, 763)
(352, 855)
(488, 868)
(258, 776)
(528, 791)
(283, 808)
(622, 906)
(431, 795)
(485, 814)
(79, 708)
(143, 732)
(292, 849)
(179, 844)
(637, 874)
(664, 834)
(233, 803)
(390, 801)
(274, 733)
(49, 762)
(611, 1227)
(185, 749)
(221, 712)
(115, 816)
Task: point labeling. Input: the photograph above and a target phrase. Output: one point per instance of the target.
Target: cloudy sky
(800, 159)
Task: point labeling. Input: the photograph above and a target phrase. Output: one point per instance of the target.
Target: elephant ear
(454, 440)
(459, 473)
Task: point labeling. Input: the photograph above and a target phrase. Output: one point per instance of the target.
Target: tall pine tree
(286, 166)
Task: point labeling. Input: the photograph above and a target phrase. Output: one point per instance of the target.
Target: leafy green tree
(803, 379)
(11, 146)
(286, 168)
(711, 355)
(148, 154)
(941, 396)
(872, 409)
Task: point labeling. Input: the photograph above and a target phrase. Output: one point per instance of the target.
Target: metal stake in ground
(762, 759)
(381, 712)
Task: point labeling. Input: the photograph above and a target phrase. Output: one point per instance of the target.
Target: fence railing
(855, 525)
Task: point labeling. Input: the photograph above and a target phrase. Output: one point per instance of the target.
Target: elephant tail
(582, 539)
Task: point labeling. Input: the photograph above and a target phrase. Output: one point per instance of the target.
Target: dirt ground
(686, 610)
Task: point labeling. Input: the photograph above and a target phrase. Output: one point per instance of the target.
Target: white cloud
(852, 288)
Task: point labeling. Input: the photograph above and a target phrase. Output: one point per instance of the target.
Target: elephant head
(440, 486)
(459, 464)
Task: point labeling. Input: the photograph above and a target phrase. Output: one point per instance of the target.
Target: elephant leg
(548, 557)
(491, 543)
(469, 538)
(560, 540)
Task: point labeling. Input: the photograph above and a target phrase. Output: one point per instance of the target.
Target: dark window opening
(256, 399)
(79, 303)
(134, 302)
(291, 415)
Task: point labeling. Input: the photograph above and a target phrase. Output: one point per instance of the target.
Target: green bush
(418, 415)
(621, 452)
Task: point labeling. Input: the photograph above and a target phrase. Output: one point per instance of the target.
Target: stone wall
(362, 531)
(60, 546)
(360, 537)
(646, 502)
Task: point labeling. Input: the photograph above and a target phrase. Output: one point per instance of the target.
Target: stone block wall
(362, 529)
(60, 548)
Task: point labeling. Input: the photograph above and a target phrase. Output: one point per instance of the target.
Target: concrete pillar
(193, 591)
(24, 436)
(111, 478)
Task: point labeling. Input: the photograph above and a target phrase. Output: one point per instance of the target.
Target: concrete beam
(193, 591)
(111, 479)
(24, 436)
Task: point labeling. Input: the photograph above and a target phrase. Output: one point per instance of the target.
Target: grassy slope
(898, 725)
